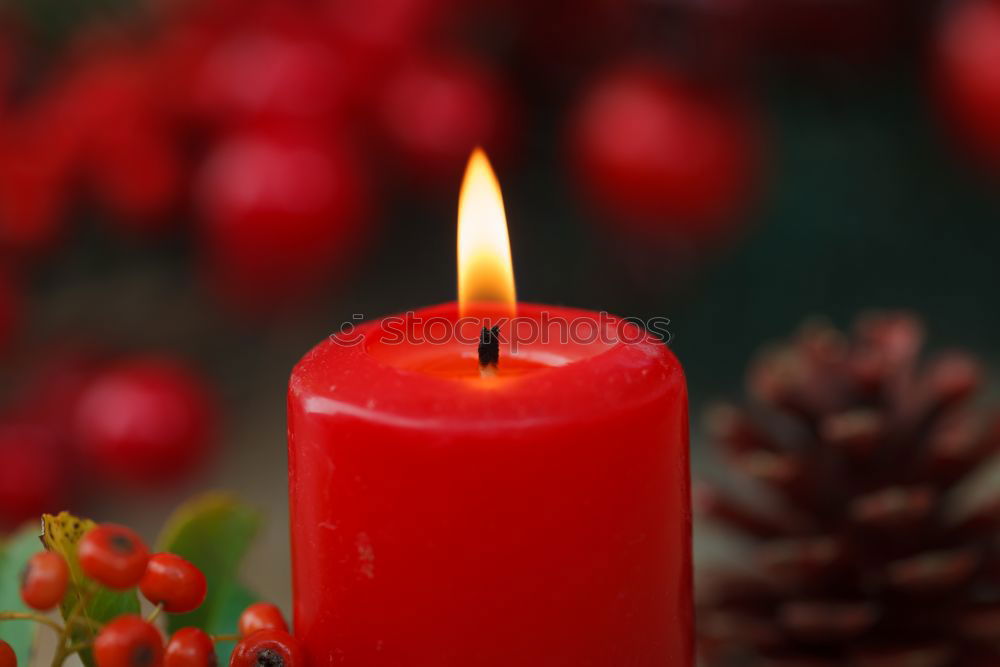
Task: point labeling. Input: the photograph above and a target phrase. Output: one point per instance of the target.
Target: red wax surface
(538, 518)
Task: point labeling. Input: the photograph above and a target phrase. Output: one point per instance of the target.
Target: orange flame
(485, 269)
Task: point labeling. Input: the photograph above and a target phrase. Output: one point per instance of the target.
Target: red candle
(535, 516)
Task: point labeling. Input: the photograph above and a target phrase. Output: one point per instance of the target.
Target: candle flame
(485, 269)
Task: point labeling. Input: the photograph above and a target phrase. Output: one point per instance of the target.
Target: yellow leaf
(60, 533)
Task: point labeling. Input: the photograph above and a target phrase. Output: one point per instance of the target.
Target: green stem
(28, 616)
(76, 648)
(226, 638)
(60, 656)
(73, 618)
(88, 623)
(153, 615)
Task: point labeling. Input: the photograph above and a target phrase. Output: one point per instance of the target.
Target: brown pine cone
(864, 549)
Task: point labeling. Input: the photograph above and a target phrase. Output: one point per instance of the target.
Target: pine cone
(865, 549)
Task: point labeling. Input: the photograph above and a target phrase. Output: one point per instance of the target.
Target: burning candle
(464, 496)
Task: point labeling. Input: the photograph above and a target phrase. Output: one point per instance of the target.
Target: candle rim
(347, 381)
(530, 350)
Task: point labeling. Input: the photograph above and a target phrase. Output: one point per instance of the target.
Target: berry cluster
(81, 422)
(114, 557)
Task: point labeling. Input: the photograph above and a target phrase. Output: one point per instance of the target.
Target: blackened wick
(489, 347)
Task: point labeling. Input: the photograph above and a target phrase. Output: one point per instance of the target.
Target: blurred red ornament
(145, 421)
(33, 474)
(380, 32)
(179, 53)
(10, 309)
(107, 81)
(375, 37)
(280, 213)
(657, 152)
(138, 176)
(36, 165)
(968, 64)
(435, 110)
(113, 117)
(278, 67)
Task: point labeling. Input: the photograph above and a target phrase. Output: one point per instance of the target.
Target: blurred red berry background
(655, 150)
(968, 55)
(144, 421)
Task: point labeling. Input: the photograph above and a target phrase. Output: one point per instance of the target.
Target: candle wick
(489, 351)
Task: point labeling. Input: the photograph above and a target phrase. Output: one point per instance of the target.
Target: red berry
(672, 159)
(190, 647)
(128, 641)
(145, 421)
(44, 580)
(969, 75)
(7, 655)
(267, 648)
(280, 212)
(173, 582)
(113, 555)
(33, 473)
(261, 616)
(435, 111)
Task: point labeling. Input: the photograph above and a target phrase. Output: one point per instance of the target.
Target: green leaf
(14, 554)
(213, 532)
(61, 534)
(231, 604)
